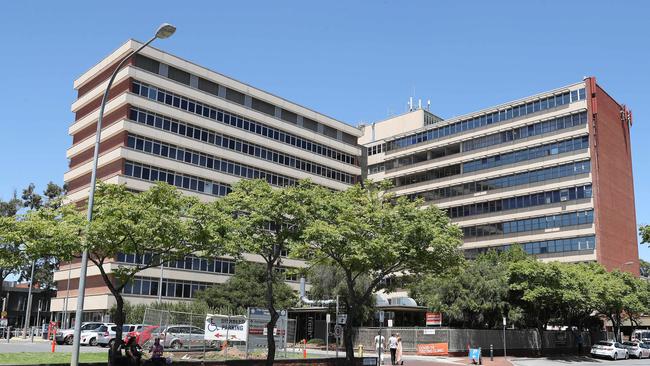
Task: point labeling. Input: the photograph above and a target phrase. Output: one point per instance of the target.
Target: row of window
(207, 161)
(530, 153)
(513, 203)
(422, 156)
(239, 98)
(235, 144)
(189, 182)
(535, 129)
(240, 122)
(485, 141)
(148, 286)
(537, 223)
(487, 119)
(539, 175)
(192, 263)
(428, 175)
(542, 247)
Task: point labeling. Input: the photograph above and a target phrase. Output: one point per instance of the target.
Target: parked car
(181, 336)
(611, 349)
(66, 335)
(106, 334)
(137, 330)
(637, 349)
(145, 336)
(89, 337)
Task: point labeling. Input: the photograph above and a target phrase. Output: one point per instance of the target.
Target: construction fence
(245, 335)
(459, 340)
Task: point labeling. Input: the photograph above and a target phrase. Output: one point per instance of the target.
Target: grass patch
(37, 358)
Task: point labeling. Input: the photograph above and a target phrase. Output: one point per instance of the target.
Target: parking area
(21, 346)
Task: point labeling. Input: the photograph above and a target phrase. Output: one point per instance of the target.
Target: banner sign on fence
(475, 355)
(433, 349)
(433, 318)
(223, 327)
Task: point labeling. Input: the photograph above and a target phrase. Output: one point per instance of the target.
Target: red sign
(433, 318)
(433, 349)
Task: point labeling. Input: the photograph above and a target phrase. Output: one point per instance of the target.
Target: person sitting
(156, 351)
(133, 352)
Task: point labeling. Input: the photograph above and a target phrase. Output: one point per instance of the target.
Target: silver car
(66, 335)
(637, 349)
(182, 336)
(106, 334)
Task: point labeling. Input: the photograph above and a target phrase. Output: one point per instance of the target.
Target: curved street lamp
(164, 31)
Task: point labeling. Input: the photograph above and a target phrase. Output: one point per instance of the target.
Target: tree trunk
(540, 333)
(119, 322)
(347, 335)
(270, 339)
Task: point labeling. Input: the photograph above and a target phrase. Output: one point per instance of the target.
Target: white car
(66, 335)
(90, 337)
(637, 349)
(611, 349)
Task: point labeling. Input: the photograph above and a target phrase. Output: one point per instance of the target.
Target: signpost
(504, 337)
(327, 334)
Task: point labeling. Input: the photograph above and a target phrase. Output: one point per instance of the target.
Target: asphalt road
(582, 361)
(21, 346)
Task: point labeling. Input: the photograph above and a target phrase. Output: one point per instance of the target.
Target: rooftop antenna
(410, 104)
(428, 104)
(419, 103)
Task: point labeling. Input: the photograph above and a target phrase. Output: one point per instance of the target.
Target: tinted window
(234, 96)
(179, 75)
(147, 64)
(208, 86)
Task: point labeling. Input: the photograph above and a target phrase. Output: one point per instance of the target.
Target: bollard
(304, 349)
(53, 345)
(8, 334)
(32, 334)
(491, 353)
(361, 350)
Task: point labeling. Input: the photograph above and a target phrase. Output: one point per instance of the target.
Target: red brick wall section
(104, 172)
(94, 286)
(615, 215)
(109, 119)
(106, 145)
(99, 78)
(116, 90)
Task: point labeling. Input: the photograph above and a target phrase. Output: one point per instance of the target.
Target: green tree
(247, 288)
(535, 288)
(644, 268)
(578, 295)
(328, 281)
(615, 295)
(476, 294)
(11, 256)
(644, 232)
(268, 222)
(158, 225)
(367, 232)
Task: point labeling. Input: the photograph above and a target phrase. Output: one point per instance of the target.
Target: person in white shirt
(380, 344)
(392, 344)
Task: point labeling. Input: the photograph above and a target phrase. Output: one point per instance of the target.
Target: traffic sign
(328, 318)
(390, 323)
(3, 322)
(3, 314)
(338, 330)
(341, 318)
(381, 316)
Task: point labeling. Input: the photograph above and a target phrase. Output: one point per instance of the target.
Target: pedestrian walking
(392, 344)
(399, 350)
(380, 345)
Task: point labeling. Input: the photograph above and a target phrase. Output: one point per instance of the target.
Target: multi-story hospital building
(551, 172)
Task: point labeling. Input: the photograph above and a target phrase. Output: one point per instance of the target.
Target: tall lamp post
(164, 31)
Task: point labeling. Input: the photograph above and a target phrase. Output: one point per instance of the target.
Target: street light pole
(28, 311)
(164, 31)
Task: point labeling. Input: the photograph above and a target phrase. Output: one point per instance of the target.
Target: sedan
(637, 349)
(611, 349)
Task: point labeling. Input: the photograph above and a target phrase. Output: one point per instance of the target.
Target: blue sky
(353, 60)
